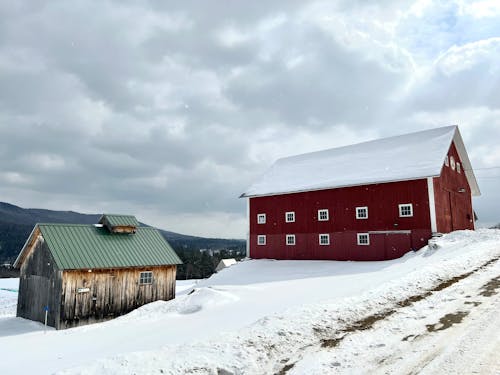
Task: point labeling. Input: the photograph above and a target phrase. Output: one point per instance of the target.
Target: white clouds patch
(471, 55)
(482, 9)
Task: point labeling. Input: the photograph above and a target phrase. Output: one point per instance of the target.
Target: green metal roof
(75, 246)
(119, 220)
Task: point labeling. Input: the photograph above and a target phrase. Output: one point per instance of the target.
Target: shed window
(459, 170)
(261, 239)
(261, 218)
(323, 215)
(146, 278)
(361, 212)
(324, 239)
(405, 210)
(363, 239)
(290, 217)
(290, 239)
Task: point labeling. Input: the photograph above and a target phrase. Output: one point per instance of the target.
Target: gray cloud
(170, 110)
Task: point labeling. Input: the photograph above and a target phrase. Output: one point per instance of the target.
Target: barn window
(446, 161)
(361, 212)
(261, 218)
(323, 215)
(146, 278)
(261, 239)
(290, 239)
(324, 239)
(452, 162)
(290, 217)
(405, 210)
(458, 168)
(363, 239)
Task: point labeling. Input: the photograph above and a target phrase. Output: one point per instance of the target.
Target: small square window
(290, 239)
(323, 215)
(290, 217)
(452, 162)
(361, 212)
(146, 278)
(261, 239)
(459, 168)
(324, 239)
(363, 239)
(405, 210)
(261, 218)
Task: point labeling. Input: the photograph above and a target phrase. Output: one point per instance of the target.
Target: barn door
(450, 202)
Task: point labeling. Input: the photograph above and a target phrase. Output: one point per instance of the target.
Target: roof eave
(18, 261)
(245, 195)
(467, 166)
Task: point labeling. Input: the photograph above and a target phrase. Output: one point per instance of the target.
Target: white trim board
(432, 204)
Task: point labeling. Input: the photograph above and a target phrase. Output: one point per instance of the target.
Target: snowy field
(298, 317)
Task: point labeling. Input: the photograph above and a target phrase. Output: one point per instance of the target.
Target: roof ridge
(111, 214)
(375, 140)
(67, 224)
(88, 225)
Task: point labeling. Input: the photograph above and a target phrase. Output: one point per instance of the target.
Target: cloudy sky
(169, 110)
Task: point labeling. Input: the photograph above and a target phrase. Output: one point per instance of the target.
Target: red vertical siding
(453, 209)
(382, 201)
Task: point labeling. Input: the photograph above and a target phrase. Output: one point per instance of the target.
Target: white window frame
(359, 235)
(261, 237)
(290, 237)
(323, 211)
(447, 161)
(324, 235)
(358, 209)
(259, 217)
(403, 205)
(459, 169)
(146, 278)
(452, 162)
(292, 214)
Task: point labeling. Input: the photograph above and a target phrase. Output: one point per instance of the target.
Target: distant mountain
(16, 224)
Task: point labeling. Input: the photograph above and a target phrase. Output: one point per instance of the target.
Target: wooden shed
(375, 200)
(81, 274)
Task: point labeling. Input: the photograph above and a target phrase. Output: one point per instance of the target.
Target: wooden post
(46, 314)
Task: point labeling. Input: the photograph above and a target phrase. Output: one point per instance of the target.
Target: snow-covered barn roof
(404, 157)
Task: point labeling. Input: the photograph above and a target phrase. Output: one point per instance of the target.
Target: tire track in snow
(369, 321)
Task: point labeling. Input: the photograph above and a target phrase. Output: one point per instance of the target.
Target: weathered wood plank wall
(99, 295)
(39, 286)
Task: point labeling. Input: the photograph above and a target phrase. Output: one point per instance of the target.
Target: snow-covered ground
(8, 297)
(301, 316)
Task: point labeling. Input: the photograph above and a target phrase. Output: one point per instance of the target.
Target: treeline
(199, 264)
(12, 238)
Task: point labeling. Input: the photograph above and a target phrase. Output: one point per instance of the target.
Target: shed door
(38, 295)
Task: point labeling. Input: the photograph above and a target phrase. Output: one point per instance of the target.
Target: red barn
(369, 201)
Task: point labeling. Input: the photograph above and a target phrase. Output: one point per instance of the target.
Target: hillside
(16, 224)
(432, 311)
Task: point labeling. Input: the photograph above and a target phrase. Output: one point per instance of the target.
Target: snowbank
(247, 318)
(8, 296)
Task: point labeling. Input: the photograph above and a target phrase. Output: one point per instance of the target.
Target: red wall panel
(453, 208)
(382, 201)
